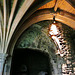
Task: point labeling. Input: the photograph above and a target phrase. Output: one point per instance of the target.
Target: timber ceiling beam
(65, 5)
(63, 19)
(50, 4)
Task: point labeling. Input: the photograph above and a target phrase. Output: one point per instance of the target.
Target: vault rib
(11, 17)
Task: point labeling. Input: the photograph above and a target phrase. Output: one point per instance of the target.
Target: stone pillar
(7, 66)
(2, 61)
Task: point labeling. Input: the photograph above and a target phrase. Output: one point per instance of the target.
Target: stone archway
(33, 38)
(53, 60)
(38, 39)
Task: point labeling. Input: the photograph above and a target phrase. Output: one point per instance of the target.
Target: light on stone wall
(56, 34)
(63, 48)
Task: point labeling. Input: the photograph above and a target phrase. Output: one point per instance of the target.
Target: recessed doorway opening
(30, 62)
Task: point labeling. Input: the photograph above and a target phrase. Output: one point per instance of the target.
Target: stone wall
(36, 37)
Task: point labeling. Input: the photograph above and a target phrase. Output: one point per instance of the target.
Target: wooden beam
(57, 5)
(68, 21)
(65, 5)
(62, 4)
(50, 4)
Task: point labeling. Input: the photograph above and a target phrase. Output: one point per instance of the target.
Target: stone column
(7, 66)
(2, 61)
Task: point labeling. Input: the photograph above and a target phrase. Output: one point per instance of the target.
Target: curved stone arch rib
(60, 18)
(11, 17)
(18, 17)
(1, 30)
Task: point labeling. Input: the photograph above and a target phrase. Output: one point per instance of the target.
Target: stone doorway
(30, 62)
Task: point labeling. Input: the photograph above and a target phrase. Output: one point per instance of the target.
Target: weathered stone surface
(36, 37)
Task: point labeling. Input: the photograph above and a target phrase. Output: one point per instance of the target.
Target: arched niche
(36, 37)
(30, 61)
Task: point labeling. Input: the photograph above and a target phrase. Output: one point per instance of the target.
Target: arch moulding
(37, 18)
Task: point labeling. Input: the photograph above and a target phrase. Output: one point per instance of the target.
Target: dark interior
(30, 62)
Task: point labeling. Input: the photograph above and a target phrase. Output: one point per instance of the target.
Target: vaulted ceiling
(18, 15)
